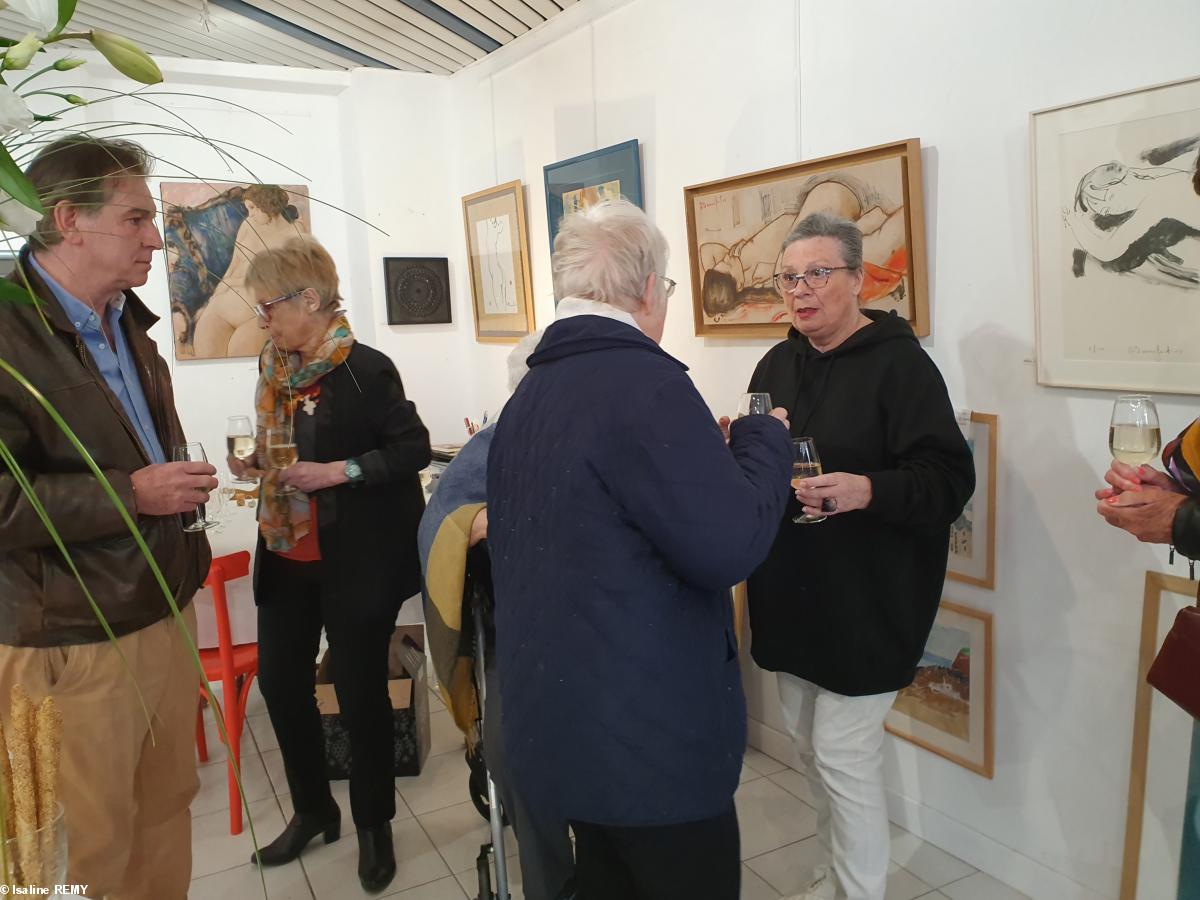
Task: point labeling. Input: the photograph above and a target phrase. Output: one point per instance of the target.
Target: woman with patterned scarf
(1157, 507)
(337, 545)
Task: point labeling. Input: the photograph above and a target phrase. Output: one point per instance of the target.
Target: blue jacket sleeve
(711, 510)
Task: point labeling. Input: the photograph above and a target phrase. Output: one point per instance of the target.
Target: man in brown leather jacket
(125, 789)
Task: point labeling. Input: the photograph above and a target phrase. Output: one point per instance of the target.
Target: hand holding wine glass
(194, 453)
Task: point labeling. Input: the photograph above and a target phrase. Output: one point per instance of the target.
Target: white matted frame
(972, 557)
(947, 709)
(1116, 228)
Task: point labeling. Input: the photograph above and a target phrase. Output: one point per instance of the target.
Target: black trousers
(294, 604)
(692, 861)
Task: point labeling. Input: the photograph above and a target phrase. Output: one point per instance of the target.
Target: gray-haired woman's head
(606, 253)
(820, 225)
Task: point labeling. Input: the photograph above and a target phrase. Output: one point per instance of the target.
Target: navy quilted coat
(618, 521)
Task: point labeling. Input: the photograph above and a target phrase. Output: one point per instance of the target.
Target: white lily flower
(43, 13)
(14, 114)
(17, 217)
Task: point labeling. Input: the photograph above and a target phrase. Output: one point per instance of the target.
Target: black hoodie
(848, 603)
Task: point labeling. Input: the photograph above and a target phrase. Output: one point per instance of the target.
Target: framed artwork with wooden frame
(736, 227)
(972, 557)
(1162, 844)
(947, 709)
(498, 258)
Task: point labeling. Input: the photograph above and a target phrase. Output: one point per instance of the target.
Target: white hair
(606, 253)
(518, 358)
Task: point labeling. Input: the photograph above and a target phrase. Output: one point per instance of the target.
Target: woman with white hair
(618, 520)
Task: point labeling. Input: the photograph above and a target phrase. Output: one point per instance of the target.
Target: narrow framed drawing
(582, 181)
(418, 290)
(1117, 241)
(736, 228)
(212, 232)
(1162, 825)
(948, 707)
(498, 253)
(973, 535)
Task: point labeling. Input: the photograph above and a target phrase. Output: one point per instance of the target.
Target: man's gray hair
(606, 253)
(821, 224)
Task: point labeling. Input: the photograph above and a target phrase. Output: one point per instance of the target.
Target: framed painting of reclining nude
(1117, 241)
(1162, 824)
(212, 232)
(736, 227)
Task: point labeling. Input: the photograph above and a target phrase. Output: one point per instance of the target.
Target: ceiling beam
(453, 23)
(299, 33)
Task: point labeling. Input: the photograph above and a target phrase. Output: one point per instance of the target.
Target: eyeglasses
(816, 277)
(670, 283)
(264, 309)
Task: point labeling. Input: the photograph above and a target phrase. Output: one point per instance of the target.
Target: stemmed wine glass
(239, 438)
(756, 404)
(282, 452)
(1134, 437)
(194, 452)
(805, 464)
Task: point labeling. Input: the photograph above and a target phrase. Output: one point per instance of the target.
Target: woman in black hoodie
(841, 609)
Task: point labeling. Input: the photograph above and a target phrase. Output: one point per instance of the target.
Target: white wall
(715, 89)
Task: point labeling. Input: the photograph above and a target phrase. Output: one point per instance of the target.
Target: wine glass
(1133, 435)
(281, 453)
(239, 439)
(194, 452)
(805, 464)
(756, 404)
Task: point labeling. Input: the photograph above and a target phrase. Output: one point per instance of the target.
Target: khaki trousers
(125, 789)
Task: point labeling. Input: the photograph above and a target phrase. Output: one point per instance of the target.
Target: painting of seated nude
(1117, 241)
(212, 232)
(736, 229)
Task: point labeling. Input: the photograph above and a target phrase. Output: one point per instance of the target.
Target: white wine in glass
(239, 440)
(1134, 437)
(805, 464)
(282, 452)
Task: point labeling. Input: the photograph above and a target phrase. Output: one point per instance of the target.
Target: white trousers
(839, 741)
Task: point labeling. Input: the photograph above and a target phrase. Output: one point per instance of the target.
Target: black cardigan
(848, 603)
(368, 531)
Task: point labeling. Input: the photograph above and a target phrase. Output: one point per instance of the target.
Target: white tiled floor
(438, 833)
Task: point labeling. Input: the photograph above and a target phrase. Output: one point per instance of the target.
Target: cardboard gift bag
(410, 707)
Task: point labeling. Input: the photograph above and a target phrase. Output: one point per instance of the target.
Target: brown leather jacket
(41, 603)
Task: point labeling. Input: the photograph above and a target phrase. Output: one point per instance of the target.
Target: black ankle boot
(299, 831)
(376, 857)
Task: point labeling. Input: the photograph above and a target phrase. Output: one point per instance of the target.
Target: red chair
(235, 667)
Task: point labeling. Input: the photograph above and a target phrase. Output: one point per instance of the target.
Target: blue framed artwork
(582, 181)
(1162, 826)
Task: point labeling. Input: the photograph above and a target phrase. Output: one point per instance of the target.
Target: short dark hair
(77, 169)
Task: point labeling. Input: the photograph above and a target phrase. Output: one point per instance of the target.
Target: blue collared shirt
(116, 363)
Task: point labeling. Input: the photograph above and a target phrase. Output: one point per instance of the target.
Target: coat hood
(885, 326)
